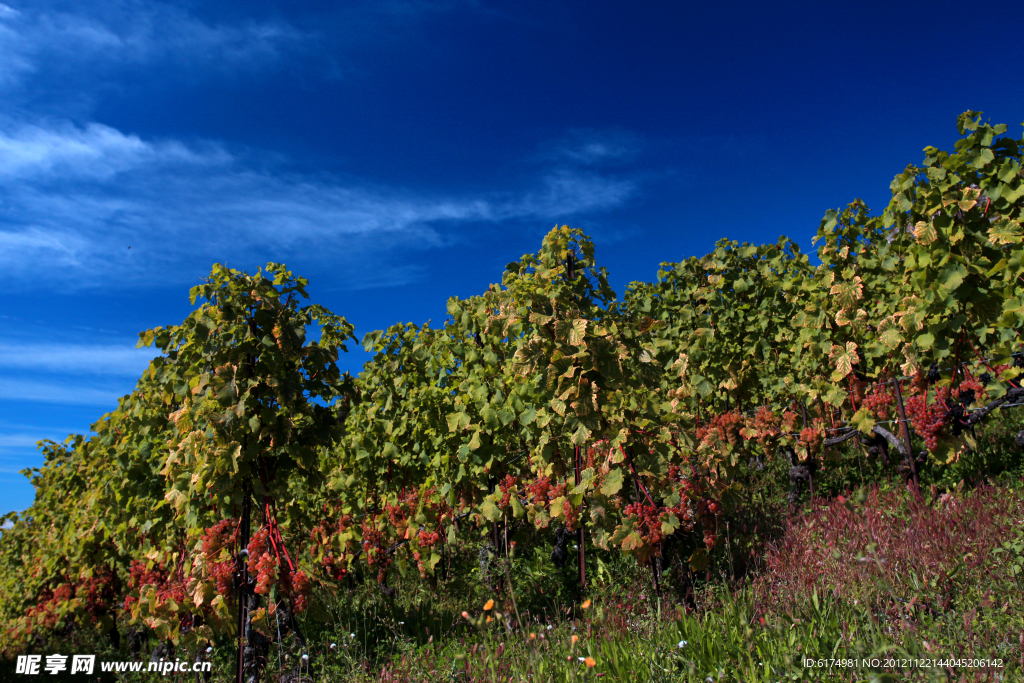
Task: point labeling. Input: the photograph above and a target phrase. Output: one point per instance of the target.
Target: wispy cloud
(43, 36)
(45, 392)
(588, 147)
(95, 152)
(76, 198)
(118, 360)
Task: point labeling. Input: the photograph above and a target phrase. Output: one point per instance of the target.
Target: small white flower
(334, 646)
(682, 643)
(305, 658)
(582, 659)
(209, 649)
(550, 627)
(351, 635)
(402, 623)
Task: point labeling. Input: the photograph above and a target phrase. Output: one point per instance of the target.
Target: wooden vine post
(906, 433)
(581, 555)
(242, 588)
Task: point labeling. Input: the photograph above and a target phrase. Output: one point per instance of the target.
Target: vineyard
(246, 488)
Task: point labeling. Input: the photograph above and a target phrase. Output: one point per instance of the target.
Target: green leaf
(490, 511)
(863, 421)
(612, 483)
(517, 508)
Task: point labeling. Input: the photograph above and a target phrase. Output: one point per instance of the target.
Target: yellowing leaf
(848, 292)
(1005, 231)
(843, 359)
(888, 333)
(925, 232)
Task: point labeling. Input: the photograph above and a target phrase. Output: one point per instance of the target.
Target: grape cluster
(725, 427)
(426, 540)
(763, 427)
(336, 567)
(261, 562)
(858, 387)
(46, 611)
(928, 420)
(301, 584)
(985, 379)
(956, 418)
(97, 592)
(647, 521)
(166, 586)
(812, 438)
(266, 572)
(373, 548)
(789, 421)
(538, 489)
(933, 374)
(970, 391)
(223, 574)
(507, 485)
(570, 514)
(259, 545)
(401, 511)
(879, 402)
(221, 535)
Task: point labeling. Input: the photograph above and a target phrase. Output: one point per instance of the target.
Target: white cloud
(19, 440)
(590, 147)
(94, 152)
(76, 198)
(131, 32)
(120, 360)
(62, 394)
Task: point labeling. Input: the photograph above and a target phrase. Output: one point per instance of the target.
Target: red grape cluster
(857, 389)
(538, 490)
(763, 427)
(166, 587)
(335, 567)
(570, 514)
(426, 540)
(400, 512)
(46, 611)
(223, 573)
(259, 545)
(647, 521)
(725, 427)
(221, 535)
(321, 535)
(879, 402)
(928, 420)
(301, 585)
(813, 437)
(266, 572)
(373, 548)
(507, 484)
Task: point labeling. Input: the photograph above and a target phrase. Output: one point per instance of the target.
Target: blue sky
(396, 153)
